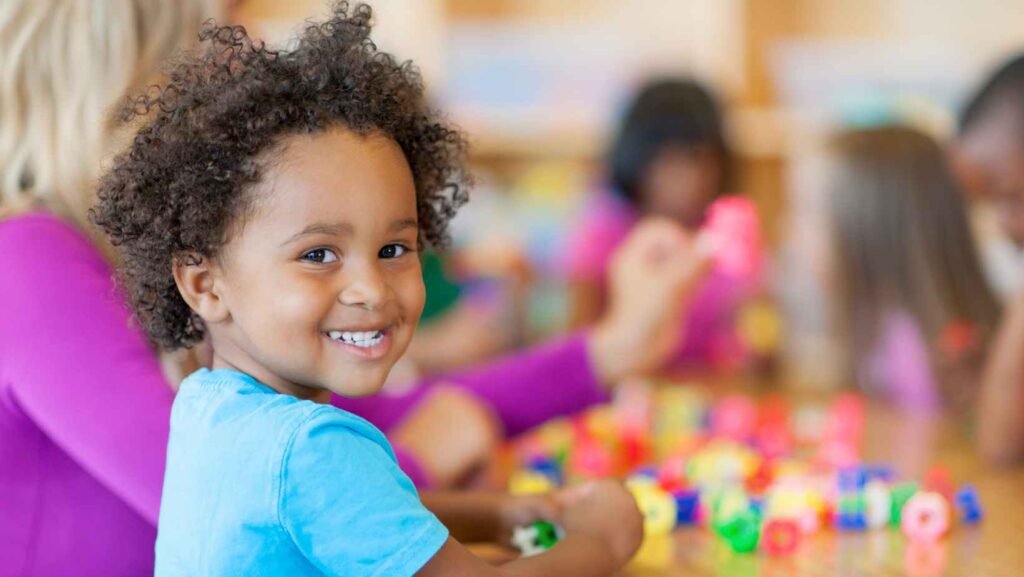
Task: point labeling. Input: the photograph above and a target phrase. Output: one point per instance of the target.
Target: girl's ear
(196, 278)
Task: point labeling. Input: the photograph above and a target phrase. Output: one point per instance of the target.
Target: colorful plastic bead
(852, 479)
(592, 460)
(535, 538)
(901, 493)
(925, 517)
(877, 504)
(850, 512)
(969, 504)
(658, 508)
(937, 480)
(781, 536)
(549, 468)
(760, 327)
(734, 417)
(742, 532)
(528, 482)
(687, 506)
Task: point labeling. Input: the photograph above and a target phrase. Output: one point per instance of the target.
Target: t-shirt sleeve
(348, 507)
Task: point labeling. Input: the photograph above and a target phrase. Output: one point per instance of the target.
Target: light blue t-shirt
(260, 483)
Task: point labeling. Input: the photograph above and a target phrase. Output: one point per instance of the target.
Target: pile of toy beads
(760, 477)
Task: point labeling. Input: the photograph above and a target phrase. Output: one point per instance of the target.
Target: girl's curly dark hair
(179, 190)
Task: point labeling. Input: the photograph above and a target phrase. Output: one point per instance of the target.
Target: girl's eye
(392, 251)
(320, 256)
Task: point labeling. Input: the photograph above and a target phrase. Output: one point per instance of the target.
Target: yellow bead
(529, 483)
(657, 506)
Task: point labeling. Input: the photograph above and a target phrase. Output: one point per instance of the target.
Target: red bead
(780, 537)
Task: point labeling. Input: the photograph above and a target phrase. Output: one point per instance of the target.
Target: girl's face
(680, 183)
(990, 163)
(322, 282)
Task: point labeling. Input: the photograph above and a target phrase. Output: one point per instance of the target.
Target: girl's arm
(74, 363)
(603, 529)
(1000, 410)
(576, 555)
(488, 517)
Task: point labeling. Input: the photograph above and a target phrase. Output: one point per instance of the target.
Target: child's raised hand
(650, 280)
(606, 512)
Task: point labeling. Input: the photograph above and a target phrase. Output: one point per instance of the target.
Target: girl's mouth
(368, 345)
(361, 339)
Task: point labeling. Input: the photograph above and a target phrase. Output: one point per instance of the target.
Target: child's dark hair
(666, 112)
(1006, 85)
(180, 190)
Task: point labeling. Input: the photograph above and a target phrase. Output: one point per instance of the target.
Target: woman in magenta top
(84, 404)
(670, 158)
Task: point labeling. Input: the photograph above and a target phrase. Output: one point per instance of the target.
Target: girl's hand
(488, 516)
(605, 513)
(651, 278)
(519, 511)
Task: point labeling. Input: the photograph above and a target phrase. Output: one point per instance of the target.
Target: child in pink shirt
(910, 296)
(670, 159)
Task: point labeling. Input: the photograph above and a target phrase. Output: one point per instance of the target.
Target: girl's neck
(245, 364)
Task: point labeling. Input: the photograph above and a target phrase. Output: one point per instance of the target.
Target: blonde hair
(901, 238)
(65, 68)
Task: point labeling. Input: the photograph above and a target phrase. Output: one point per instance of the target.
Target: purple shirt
(84, 408)
(899, 367)
(710, 338)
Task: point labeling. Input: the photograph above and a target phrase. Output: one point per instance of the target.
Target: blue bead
(969, 504)
(757, 505)
(881, 472)
(687, 506)
(851, 522)
(852, 479)
(549, 468)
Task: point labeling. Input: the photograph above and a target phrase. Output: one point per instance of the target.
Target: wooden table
(910, 444)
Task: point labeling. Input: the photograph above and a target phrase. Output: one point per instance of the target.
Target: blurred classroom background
(539, 87)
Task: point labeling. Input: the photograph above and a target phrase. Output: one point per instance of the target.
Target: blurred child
(910, 294)
(671, 159)
(989, 155)
(275, 203)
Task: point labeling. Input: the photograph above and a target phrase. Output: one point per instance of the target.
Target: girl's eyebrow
(400, 225)
(333, 229)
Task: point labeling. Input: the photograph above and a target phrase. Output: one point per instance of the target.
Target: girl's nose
(365, 288)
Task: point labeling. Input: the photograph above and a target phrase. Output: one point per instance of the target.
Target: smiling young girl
(274, 204)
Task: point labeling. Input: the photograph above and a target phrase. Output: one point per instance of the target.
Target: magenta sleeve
(74, 363)
(524, 389)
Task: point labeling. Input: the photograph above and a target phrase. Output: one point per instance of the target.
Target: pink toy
(734, 417)
(672, 473)
(733, 226)
(925, 517)
(937, 480)
(781, 537)
(592, 460)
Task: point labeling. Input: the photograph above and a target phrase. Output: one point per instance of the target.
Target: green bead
(742, 532)
(547, 534)
(901, 493)
(852, 504)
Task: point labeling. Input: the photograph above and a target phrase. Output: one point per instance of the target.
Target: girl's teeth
(359, 339)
